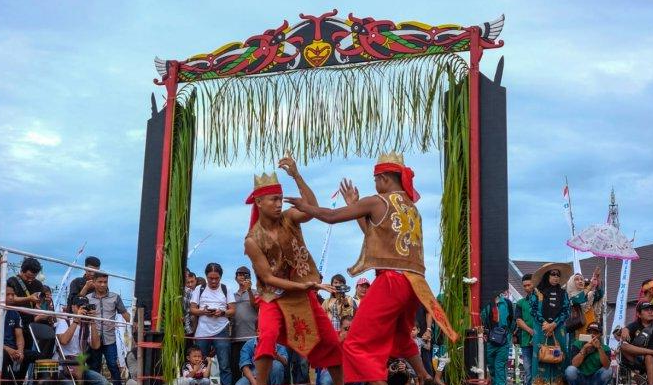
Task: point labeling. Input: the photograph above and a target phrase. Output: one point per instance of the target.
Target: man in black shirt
(81, 286)
(637, 346)
(27, 291)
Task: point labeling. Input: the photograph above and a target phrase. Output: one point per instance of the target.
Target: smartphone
(585, 337)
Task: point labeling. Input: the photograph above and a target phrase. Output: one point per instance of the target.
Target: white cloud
(48, 139)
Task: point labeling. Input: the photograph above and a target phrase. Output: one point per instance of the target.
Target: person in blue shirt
(13, 346)
(499, 321)
(246, 364)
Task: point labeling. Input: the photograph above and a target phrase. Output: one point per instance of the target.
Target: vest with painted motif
(395, 243)
(288, 257)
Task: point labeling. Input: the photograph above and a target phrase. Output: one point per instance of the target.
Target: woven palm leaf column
(454, 221)
(176, 245)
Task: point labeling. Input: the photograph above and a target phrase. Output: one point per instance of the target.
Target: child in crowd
(196, 369)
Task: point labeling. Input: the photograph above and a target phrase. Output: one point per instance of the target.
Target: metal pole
(59, 261)
(139, 351)
(481, 355)
(3, 292)
(606, 336)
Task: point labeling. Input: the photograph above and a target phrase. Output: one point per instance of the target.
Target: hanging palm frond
(176, 246)
(454, 220)
(333, 111)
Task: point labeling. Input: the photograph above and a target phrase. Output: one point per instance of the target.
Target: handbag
(498, 336)
(576, 320)
(550, 354)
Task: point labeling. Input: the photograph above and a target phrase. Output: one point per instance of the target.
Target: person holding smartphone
(212, 305)
(590, 359)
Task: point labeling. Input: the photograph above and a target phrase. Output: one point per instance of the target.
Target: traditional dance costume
(291, 318)
(394, 248)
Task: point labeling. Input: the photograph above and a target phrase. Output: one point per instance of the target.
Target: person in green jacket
(585, 297)
(499, 322)
(524, 324)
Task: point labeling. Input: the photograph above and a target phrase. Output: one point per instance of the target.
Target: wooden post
(139, 351)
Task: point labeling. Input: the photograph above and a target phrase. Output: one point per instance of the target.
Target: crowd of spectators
(556, 326)
(221, 327)
(31, 337)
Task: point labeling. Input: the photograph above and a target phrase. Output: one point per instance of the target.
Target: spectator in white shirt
(75, 336)
(212, 306)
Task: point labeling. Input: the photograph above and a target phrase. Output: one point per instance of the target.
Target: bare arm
(635, 350)
(288, 164)
(231, 310)
(66, 336)
(95, 336)
(361, 209)
(263, 271)
(34, 298)
(247, 373)
(522, 325)
(350, 194)
(126, 316)
(20, 340)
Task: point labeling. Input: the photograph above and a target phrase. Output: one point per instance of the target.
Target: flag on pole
(65, 281)
(567, 209)
(566, 206)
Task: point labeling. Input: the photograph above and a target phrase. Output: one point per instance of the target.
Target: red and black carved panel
(328, 41)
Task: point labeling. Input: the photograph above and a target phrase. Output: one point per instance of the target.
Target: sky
(75, 86)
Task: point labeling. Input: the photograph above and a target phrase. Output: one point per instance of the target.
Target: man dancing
(392, 246)
(287, 279)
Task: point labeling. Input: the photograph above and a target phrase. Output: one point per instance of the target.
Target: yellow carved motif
(407, 223)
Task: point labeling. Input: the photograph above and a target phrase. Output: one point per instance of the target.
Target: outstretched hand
(298, 203)
(289, 165)
(320, 286)
(349, 191)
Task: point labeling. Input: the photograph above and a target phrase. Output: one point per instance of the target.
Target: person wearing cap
(393, 247)
(361, 289)
(75, 336)
(590, 360)
(243, 327)
(287, 279)
(81, 286)
(550, 310)
(637, 343)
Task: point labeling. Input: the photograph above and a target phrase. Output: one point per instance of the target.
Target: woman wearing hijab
(550, 310)
(584, 297)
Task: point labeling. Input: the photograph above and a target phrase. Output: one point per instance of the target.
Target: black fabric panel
(149, 210)
(494, 189)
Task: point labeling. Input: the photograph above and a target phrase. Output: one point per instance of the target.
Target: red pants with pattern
(381, 328)
(272, 330)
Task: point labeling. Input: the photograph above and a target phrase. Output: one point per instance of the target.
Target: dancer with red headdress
(289, 312)
(393, 247)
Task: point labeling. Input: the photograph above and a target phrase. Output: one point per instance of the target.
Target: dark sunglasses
(554, 273)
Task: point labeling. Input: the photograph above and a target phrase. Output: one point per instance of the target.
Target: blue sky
(75, 81)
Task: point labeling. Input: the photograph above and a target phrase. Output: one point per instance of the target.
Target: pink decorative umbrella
(605, 241)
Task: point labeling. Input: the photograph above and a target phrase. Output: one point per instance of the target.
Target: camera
(342, 289)
(89, 307)
(247, 276)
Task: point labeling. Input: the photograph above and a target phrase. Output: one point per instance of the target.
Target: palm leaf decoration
(411, 104)
(176, 246)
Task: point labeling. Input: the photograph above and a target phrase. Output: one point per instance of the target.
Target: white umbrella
(605, 241)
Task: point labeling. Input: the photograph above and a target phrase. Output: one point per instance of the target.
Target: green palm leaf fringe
(333, 111)
(454, 220)
(176, 246)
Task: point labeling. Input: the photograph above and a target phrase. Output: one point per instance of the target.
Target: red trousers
(381, 329)
(272, 330)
